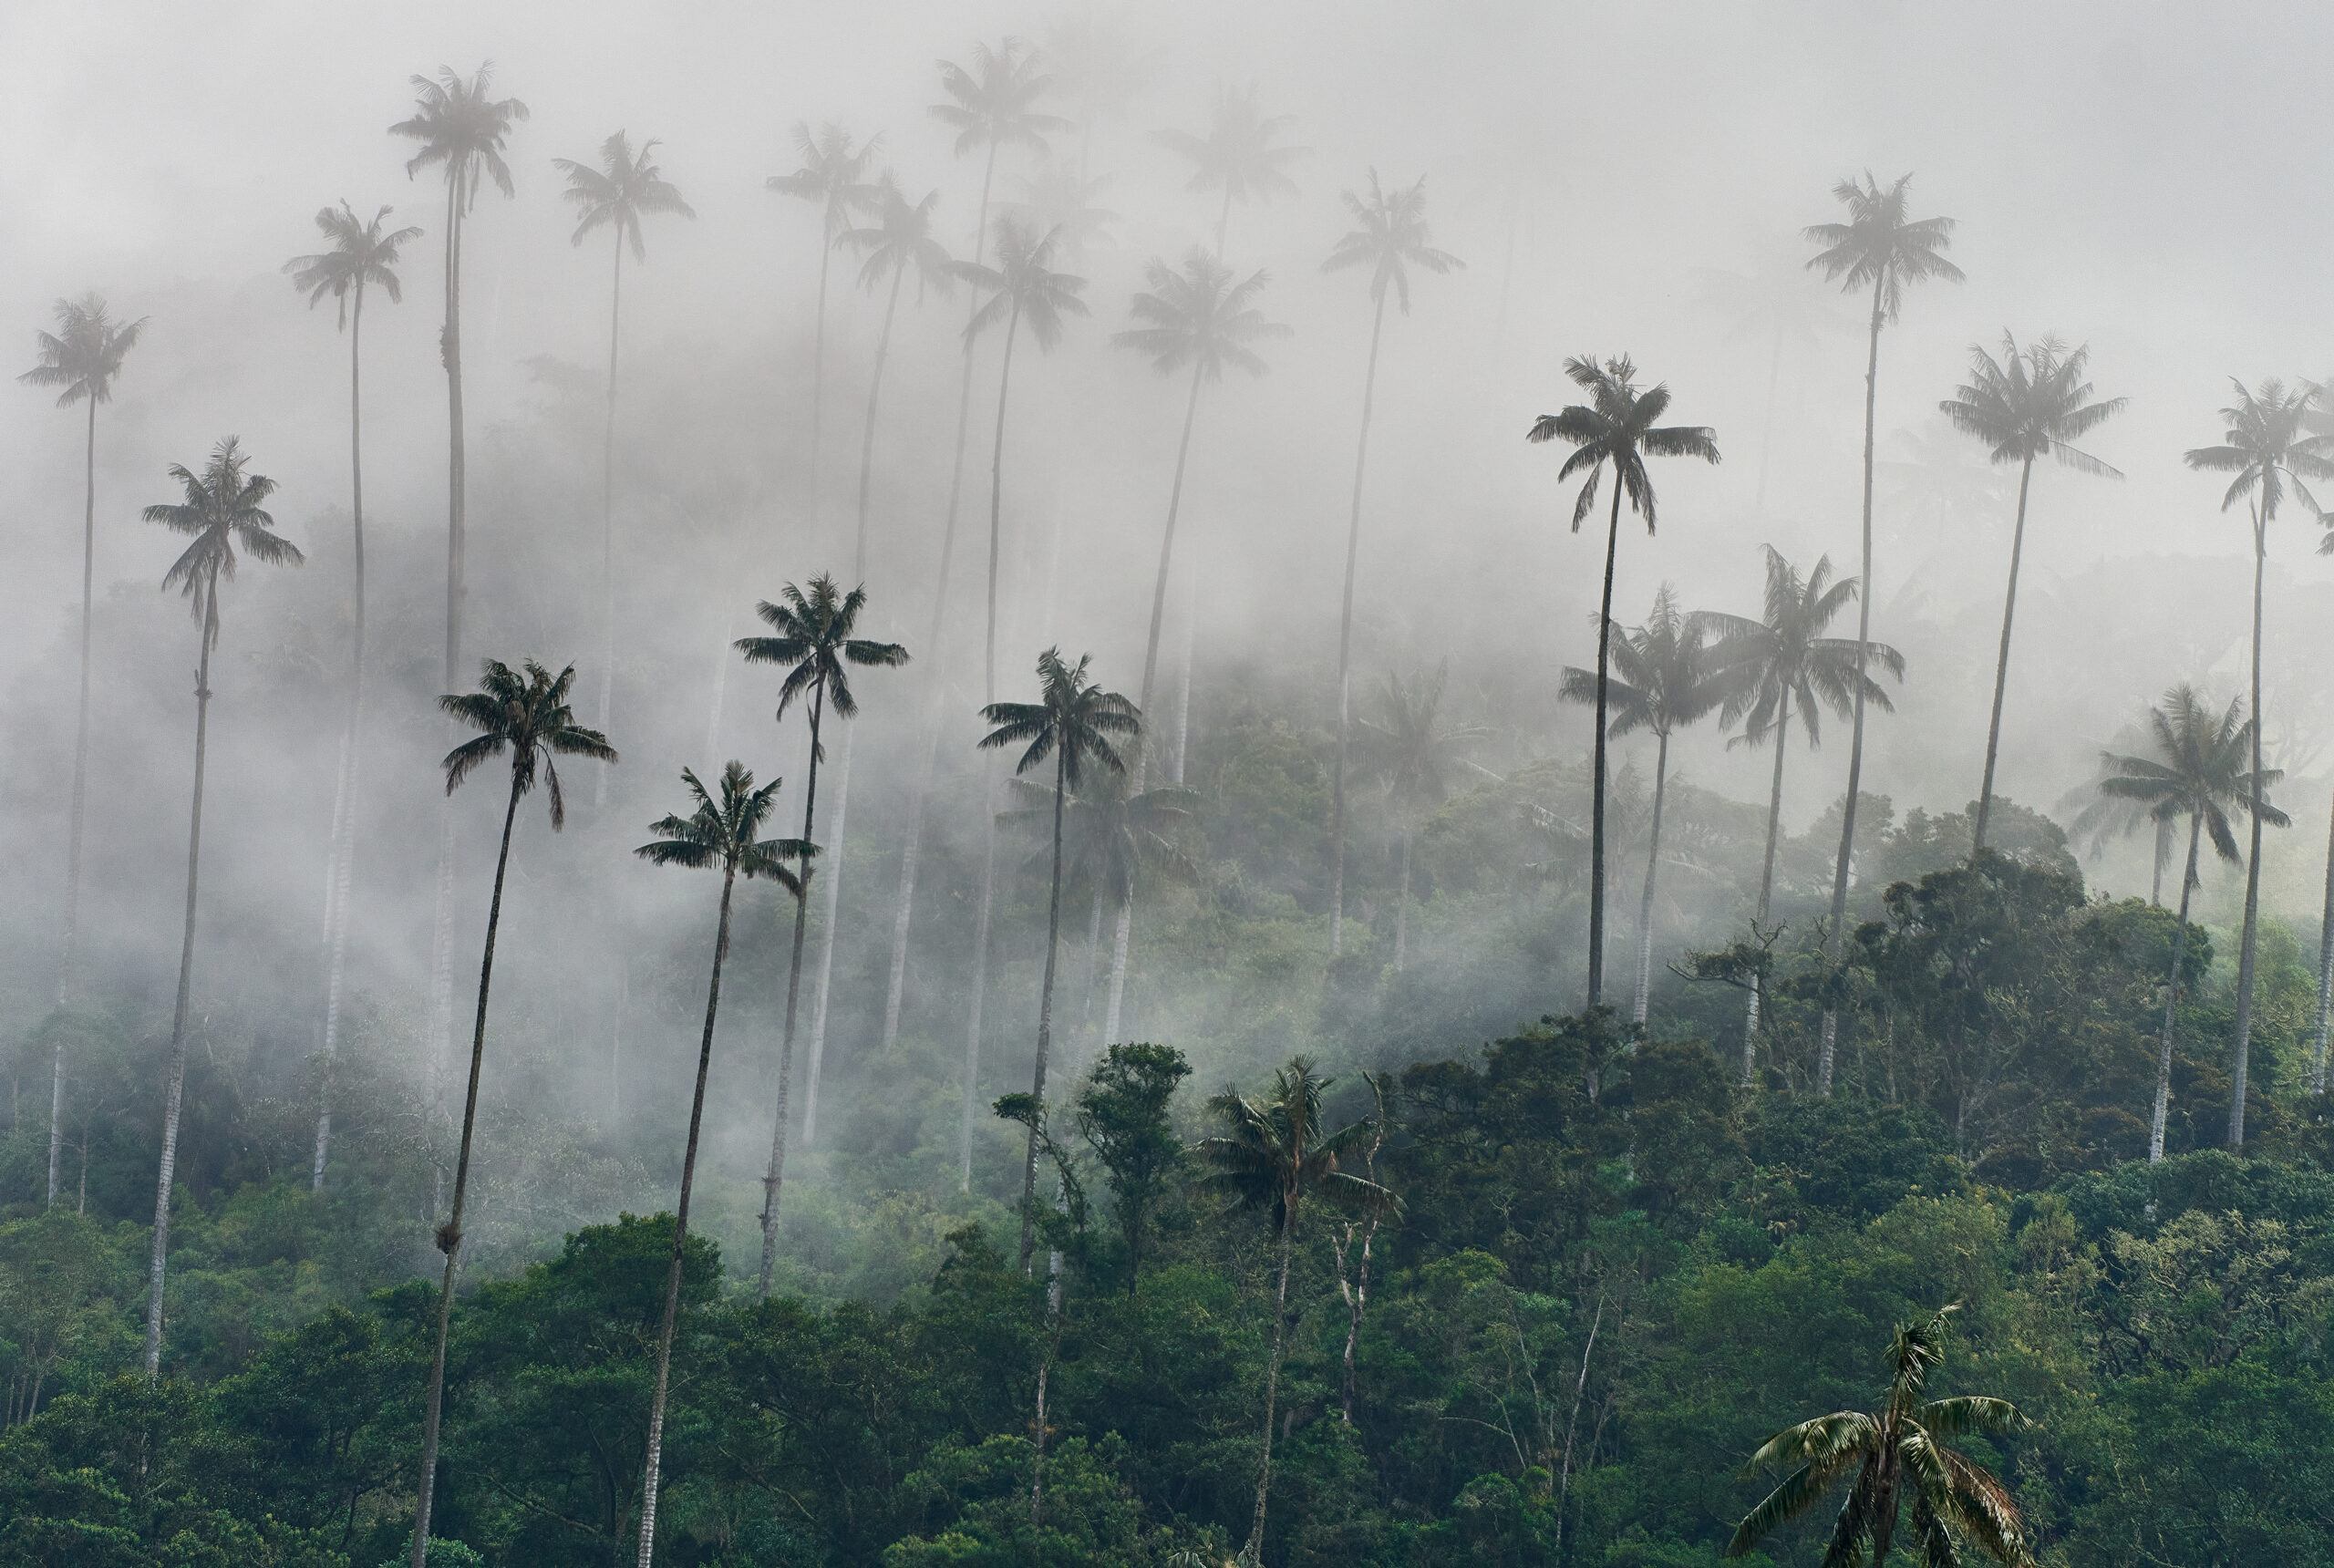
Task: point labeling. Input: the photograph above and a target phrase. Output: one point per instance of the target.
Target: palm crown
(525, 713)
(1409, 744)
(720, 834)
(993, 103)
(2031, 403)
(462, 129)
(1199, 317)
(625, 188)
(1666, 674)
(85, 353)
(2267, 447)
(1237, 155)
(1072, 721)
(362, 255)
(1109, 831)
(224, 511)
(1057, 200)
(833, 174)
(900, 240)
(2200, 767)
(1392, 240)
(1024, 287)
(1616, 427)
(1784, 656)
(814, 636)
(1879, 247)
(1275, 1148)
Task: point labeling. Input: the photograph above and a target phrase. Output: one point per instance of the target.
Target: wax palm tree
(2029, 403)
(1200, 316)
(1666, 676)
(2268, 447)
(624, 188)
(1072, 723)
(834, 175)
(1391, 240)
(1098, 67)
(81, 359)
(363, 253)
(1784, 663)
(1881, 249)
(2319, 420)
(1056, 201)
(524, 712)
(2200, 769)
(223, 509)
(1409, 751)
(716, 835)
(1614, 430)
(1238, 154)
(1898, 1461)
(993, 105)
(1273, 1154)
(814, 640)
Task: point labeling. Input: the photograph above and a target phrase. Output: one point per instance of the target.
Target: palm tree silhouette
(1666, 676)
(815, 644)
(1273, 1154)
(2268, 447)
(1236, 155)
(2029, 403)
(625, 188)
(223, 510)
(1881, 248)
(81, 358)
(363, 253)
(1071, 722)
(1098, 67)
(1782, 659)
(1055, 201)
(834, 175)
(718, 835)
(1392, 240)
(1410, 747)
(524, 712)
(2200, 769)
(1615, 429)
(993, 105)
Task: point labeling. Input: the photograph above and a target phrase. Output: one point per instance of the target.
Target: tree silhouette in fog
(1239, 154)
(1408, 749)
(833, 174)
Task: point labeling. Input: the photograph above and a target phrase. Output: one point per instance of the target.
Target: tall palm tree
(1410, 751)
(524, 712)
(223, 510)
(363, 253)
(2029, 403)
(624, 188)
(1273, 1154)
(462, 130)
(1783, 659)
(834, 175)
(718, 835)
(1071, 722)
(1881, 249)
(1668, 676)
(2201, 769)
(991, 105)
(1897, 1458)
(814, 641)
(1099, 65)
(1200, 316)
(2269, 446)
(1237, 154)
(1391, 240)
(2320, 420)
(81, 359)
(1614, 430)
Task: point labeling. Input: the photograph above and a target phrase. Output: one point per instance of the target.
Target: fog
(2123, 179)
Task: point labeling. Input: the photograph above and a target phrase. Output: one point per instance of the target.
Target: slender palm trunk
(1839, 926)
(1122, 934)
(1596, 823)
(1767, 880)
(344, 847)
(1175, 758)
(1166, 570)
(819, 370)
(176, 1072)
(450, 1235)
(1345, 652)
(776, 1175)
(1402, 906)
(2162, 853)
(874, 391)
(1044, 1010)
(1254, 1551)
(2325, 975)
(1767, 426)
(80, 781)
(608, 518)
(681, 1233)
(1652, 865)
(2172, 999)
(2001, 664)
(441, 941)
(2240, 1055)
(912, 854)
(1093, 963)
(997, 500)
(822, 987)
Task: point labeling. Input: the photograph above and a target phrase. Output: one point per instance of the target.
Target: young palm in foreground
(223, 514)
(1899, 1463)
(1071, 722)
(523, 712)
(719, 835)
(2199, 769)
